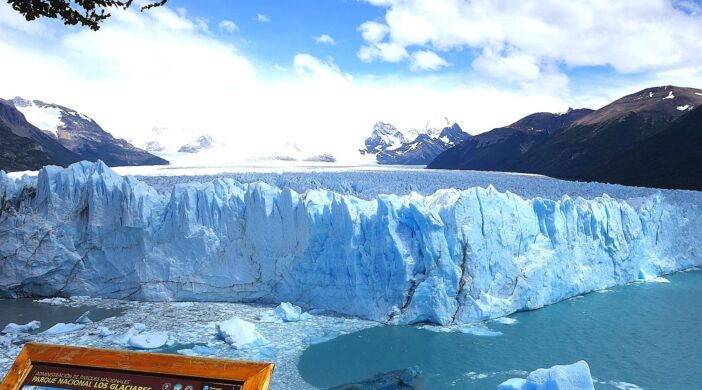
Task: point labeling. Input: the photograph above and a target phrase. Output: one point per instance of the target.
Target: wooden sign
(58, 367)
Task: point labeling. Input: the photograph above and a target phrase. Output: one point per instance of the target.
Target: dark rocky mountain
(52, 151)
(390, 146)
(655, 104)
(501, 148)
(82, 135)
(603, 145)
(669, 159)
(550, 122)
(588, 146)
(20, 153)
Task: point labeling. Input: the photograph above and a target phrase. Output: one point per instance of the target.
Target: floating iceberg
(238, 333)
(25, 328)
(148, 340)
(285, 312)
(571, 377)
(453, 257)
(133, 330)
(84, 319)
(57, 301)
(63, 328)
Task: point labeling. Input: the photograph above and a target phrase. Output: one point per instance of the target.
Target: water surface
(24, 310)
(647, 334)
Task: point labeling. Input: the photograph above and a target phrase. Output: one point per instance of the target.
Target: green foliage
(89, 13)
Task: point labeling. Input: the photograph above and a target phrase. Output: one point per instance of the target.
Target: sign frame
(254, 375)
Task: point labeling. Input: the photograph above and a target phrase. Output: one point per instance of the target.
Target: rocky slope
(594, 146)
(27, 135)
(500, 149)
(20, 153)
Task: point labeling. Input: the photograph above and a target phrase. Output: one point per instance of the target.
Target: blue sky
(217, 67)
(292, 27)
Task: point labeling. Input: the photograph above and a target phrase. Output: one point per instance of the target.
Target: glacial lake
(24, 310)
(643, 334)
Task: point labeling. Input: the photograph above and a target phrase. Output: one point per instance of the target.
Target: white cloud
(228, 26)
(309, 65)
(262, 18)
(325, 39)
(373, 32)
(387, 52)
(427, 60)
(11, 20)
(630, 36)
(507, 66)
(161, 68)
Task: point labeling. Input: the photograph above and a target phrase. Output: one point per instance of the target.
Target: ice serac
(457, 256)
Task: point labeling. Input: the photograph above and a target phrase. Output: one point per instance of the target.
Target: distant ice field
(367, 182)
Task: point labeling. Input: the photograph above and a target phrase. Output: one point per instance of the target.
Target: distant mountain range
(170, 140)
(649, 138)
(35, 134)
(417, 147)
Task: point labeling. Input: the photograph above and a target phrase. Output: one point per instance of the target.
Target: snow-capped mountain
(176, 140)
(25, 147)
(288, 151)
(415, 147)
(322, 157)
(202, 142)
(452, 257)
(82, 135)
(383, 137)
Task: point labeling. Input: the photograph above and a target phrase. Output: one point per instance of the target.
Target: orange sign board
(59, 367)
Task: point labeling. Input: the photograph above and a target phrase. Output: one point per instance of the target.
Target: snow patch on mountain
(44, 117)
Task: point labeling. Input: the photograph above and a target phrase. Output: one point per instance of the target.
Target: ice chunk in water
(575, 376)
(149, 340)
(26, 328)
(64, 328)
(239, 333)
(84, 319)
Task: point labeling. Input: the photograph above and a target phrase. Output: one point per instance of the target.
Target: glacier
(450, 257)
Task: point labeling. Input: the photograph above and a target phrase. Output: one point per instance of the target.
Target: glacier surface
(450, 257)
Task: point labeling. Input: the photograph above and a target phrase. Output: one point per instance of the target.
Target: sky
(320, 73)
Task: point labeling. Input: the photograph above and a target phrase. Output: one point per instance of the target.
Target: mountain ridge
(391, 146)
(82, 135)
(584, 148)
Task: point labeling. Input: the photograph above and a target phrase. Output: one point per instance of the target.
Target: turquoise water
(24, 310)
(646, 334)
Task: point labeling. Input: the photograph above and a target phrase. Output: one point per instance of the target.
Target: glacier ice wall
(447, 258)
